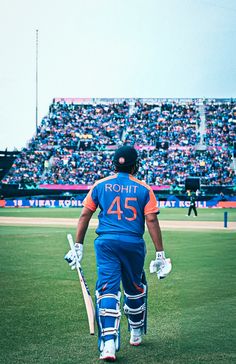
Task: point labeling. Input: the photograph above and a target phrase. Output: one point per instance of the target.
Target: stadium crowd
(74, 143)
(220, 124)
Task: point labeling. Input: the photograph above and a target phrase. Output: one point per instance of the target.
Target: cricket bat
(85, 290)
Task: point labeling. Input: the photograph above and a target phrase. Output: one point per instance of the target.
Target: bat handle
(72, 247)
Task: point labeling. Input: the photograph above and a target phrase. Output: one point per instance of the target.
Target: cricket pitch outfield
(69, 222)
(43, 318)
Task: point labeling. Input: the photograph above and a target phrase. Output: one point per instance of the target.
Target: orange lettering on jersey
(118, 210)
(132, 208)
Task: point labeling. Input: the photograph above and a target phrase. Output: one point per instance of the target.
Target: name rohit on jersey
(120, 188)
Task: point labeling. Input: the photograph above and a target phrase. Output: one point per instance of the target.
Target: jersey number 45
(115, 208)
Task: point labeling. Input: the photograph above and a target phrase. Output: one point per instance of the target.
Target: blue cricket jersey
(123, 201)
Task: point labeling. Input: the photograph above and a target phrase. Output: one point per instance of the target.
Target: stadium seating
(75, 142)
(6, 161)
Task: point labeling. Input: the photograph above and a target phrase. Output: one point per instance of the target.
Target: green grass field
(191, 314)
(166, 213)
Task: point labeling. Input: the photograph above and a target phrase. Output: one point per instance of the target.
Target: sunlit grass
(191, 314)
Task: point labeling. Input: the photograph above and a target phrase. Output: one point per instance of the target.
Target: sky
(110, 48)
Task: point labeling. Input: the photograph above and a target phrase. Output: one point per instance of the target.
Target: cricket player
(192, 206)
(125, 204)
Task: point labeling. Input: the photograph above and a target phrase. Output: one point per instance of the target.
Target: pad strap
(108, 295)
(136, 315)
(137, 296)
(134, 311)
(108, 331)
(136, 325)
(109, 312)
(112, 300)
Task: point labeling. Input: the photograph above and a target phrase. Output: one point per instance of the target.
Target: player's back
(123, 201)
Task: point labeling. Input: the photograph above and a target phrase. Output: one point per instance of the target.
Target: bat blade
(85, 290)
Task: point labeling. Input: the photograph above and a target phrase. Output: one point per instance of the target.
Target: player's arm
(160, 265)
(89, 207)
(154, 231)
(82, 225)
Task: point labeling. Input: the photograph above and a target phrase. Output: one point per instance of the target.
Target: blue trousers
(119, 259)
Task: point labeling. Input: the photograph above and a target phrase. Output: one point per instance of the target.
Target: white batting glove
(71, 259)
(161, 265)
(156, 264)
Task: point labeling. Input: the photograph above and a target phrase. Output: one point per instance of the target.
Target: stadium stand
(6, 162)
(176, 139)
